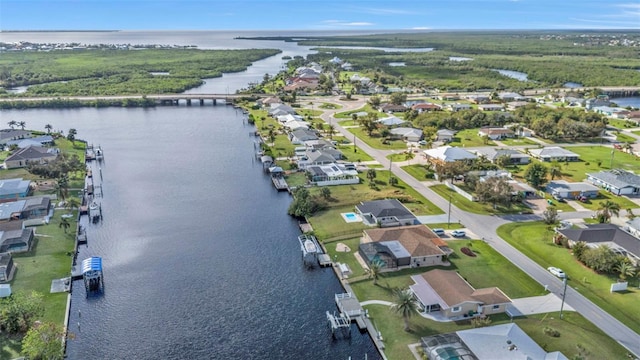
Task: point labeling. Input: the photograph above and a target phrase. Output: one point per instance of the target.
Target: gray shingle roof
(617, 178)
(601, 233)
(384, 208)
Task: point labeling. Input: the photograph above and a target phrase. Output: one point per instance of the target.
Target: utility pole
(449, 213)
(611, 164)
(564, 293)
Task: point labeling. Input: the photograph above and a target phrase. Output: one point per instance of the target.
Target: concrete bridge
(613, 91)
(160, 99)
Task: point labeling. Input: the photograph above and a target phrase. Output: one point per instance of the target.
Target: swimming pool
(351, 217)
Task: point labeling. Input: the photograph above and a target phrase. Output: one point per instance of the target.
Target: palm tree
(630, 214)
(607, 209)
(404, 305)
(72, 203)
(12, 123)
(48, 127)
(71, 135)
(331, 129)
(555, 170)
(375, 271)
(22, 124)
(625, 269)
(64, 224)
(62, 187)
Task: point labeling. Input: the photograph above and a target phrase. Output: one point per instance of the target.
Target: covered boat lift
(92, 275)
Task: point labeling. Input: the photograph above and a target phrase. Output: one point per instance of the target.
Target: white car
(557, 272)
(438, 231)
(458, 233)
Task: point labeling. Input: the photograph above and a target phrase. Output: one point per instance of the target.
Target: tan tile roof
(416, 239)
(454, 290)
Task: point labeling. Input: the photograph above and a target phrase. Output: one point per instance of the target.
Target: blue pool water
(350, 216)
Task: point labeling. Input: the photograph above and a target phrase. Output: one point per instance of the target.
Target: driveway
(536, 305)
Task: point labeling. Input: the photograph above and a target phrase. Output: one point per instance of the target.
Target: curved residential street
(485, 226)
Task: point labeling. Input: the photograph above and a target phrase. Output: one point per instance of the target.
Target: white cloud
(380, 11)
(421, 28)
(346, 23)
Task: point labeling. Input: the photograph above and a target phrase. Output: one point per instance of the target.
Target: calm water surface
(201, 260)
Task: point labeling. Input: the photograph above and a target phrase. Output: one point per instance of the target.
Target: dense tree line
(105, 71)
(64, 103)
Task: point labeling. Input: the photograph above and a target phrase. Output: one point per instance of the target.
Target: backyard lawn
(534, 240)
(470, 138)
(518, 141)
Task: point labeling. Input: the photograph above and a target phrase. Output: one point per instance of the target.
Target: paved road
(485, 226)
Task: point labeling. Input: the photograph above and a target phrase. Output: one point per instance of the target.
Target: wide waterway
(201, 260)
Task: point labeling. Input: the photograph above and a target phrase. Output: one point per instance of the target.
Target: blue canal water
(201, 260)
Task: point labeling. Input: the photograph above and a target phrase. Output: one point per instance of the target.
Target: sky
(317, 14)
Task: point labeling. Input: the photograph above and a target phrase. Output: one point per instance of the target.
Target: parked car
(557, 272)
(438, 231)
(458, 233)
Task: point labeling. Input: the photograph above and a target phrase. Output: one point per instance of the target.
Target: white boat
(310, 246)
(94, 205)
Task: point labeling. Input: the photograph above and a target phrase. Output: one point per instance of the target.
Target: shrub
(465, 250)
(549, 331)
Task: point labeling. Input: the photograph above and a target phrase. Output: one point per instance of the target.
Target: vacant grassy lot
(470, 138)
(518, 142)
(598, 158)
(534, 240)
(348, 154)
(420, 172)
(376, 141)
(476, 207)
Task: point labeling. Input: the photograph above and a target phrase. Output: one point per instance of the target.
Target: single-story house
(391, 108)
(35, 141)
(513, 105)
(7, 135)
(479, 99)
(325, 175)
(406, 134)
(594, 235)
(458, 107)
(289, 117)
(554, 153)
(385, 213)
(497, 342)
(422, 107)
(617, 181)
(278, 109)
(401, 247)
(526, 190)
(15, 241)
(496, 133)
(571, 190)
(450, 294)
(6, 267)
(448, 96)
(268, 101)
(445, 135)
(14, 188)
(444, 154)
(491, 107)
(299, 136)
(318, 157)
(319, 144)
(11, 210)
(492, 154)
(391, 121)
(32, 154)
(510, 96)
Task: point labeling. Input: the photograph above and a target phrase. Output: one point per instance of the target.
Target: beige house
(31, 154)
(447, 292)
(402, 247)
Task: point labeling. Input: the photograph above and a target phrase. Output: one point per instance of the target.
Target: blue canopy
(92, 264)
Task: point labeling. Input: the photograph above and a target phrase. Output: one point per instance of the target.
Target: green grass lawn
(622, 137)
(296, 179)
(534, 240)
(469, 138)
(596, 159)
(50, 258)
(603, 195)
(420, 172)
(518, 141)
(376, 142)
(476, 207)
(354, 156)
(621, 124)
(348, 114)
(329, 223)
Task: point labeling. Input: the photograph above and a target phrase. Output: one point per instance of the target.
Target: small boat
(94, 205)
(310, 246)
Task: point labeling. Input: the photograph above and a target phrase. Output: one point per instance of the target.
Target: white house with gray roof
(571, 190)
(492, 154)
(618, 181)
(554, 153)
(407, 134)
(387, 212)
(444, 154)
